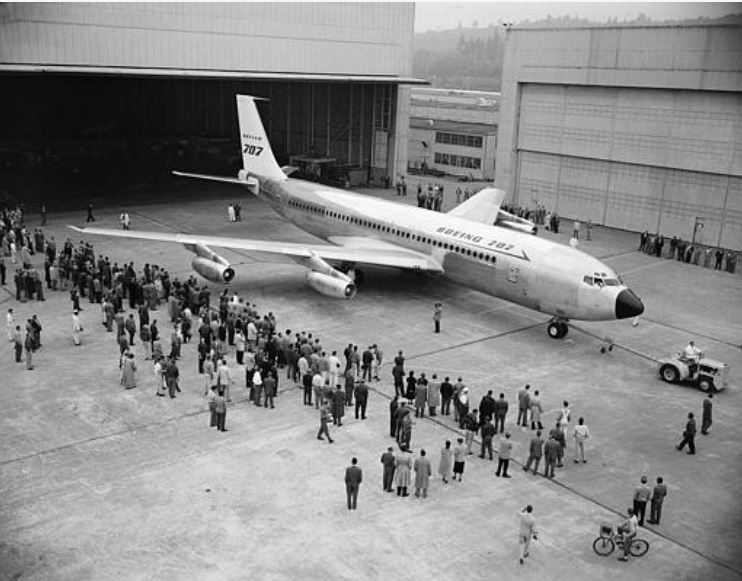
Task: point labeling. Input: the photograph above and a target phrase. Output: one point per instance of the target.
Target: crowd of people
(688, 252)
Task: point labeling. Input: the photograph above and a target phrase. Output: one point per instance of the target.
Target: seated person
(691, 355)
(627, 530)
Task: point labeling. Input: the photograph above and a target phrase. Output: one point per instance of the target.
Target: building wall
(631, 127)
(353, 38)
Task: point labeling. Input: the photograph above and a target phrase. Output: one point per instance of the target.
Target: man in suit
(706, 418)
(361, 399)
(353, 479)
(389, 462)
(535, 452)
(689, 435)
(658, 497)
(551, 452)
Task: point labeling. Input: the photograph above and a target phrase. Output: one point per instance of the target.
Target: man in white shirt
(333, 367)
(9, 323)
(692, 352)
(527, 530)
(581, 434)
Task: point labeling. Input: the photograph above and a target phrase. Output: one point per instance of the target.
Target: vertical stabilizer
(257, 155)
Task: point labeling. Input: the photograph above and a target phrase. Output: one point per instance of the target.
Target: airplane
(476, 244)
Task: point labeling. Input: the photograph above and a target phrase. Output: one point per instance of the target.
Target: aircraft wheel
(669, 373)
(557, 329)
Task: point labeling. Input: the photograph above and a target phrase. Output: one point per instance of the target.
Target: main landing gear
(557, 328)
(356, 274)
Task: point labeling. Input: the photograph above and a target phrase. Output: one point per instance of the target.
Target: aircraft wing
(374, 252)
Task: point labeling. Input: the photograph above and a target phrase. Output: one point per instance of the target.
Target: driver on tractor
(692, 355)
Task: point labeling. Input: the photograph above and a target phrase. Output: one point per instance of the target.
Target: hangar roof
(208, 74)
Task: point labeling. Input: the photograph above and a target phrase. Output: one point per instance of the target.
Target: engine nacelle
(331, 286)
(508, 220)
(204, 251)
(211, 270)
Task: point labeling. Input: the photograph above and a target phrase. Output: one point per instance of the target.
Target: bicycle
(609, 539)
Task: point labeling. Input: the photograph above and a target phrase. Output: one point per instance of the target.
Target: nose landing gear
(557, 328)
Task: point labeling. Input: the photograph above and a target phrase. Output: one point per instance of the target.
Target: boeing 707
(476, 244)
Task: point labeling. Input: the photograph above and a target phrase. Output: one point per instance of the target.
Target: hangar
(633, 127)
(96, 92)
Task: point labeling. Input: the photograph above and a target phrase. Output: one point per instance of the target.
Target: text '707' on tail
(257, 155)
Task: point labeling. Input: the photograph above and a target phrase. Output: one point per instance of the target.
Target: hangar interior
(96, 94)
(61, 126)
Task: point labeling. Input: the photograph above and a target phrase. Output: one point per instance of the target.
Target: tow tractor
(708, 374)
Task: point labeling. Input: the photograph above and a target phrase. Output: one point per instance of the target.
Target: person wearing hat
(642, 493)
(76, 328)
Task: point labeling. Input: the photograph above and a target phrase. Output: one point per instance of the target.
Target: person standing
(527, 531)
(402, 477)
(446, 462)
(501, 412)
(421, 396)
(28, 344)
(9, 323)
(488, 433)
(558, 434)
(128, 371)
(536, 411)
(535, 451)
(18, 344)
(642, 494)
(433, 397)
(524, 404)
(472, 427)
(325, 416)
(211, 399)
(658, 497)
(506, 448)
(689, 435)
(220, 407)
(581, 435)
(706, 418)
(76, 328)
(437, 314)
(131, 328)
(338, 406)
(90, 217)
(353, 479)
(361, 399)
(269, 387)
(423, 471)
(446, 396)
(459, 459)
(393, 405)
(551, 453)
(388, 461)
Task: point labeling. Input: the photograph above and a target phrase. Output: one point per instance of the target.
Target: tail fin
(257, 155)
(481, 207)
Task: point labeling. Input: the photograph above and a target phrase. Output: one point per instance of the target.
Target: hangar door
(634, 158)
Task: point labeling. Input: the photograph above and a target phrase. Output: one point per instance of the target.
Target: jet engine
(508, 220)
(209, 264)
(213, 271)
(331, 286)
(327, 280)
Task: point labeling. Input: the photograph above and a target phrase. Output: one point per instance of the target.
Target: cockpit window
(611, 282)
(588, 280)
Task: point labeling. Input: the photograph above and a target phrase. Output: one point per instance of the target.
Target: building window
(458, 160)
(458, 139)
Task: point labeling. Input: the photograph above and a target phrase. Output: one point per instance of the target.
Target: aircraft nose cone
(628, 305)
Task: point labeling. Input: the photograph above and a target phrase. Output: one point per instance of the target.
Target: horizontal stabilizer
(483, 206)
(224, 179)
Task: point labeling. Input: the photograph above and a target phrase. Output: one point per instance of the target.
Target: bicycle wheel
(603, 546)
(638, 547)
